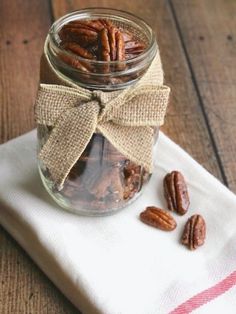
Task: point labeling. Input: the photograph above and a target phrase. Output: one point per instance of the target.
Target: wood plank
(185, 123)
(24, 24)
(208, 30)
(23, 287)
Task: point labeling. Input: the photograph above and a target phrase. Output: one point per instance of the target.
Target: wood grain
(23, 287)
(185, 122)
(24, 24)
(208, 30)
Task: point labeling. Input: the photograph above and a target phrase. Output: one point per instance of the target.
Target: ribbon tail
(138, 143)
(65, 144)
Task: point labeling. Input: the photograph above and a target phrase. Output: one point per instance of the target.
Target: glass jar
(103, 180)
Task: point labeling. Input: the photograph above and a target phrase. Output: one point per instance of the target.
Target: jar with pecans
(98, 109)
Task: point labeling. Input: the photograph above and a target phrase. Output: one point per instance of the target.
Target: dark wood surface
(197, 40)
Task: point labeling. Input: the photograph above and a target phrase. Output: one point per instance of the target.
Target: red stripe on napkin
(206, 295)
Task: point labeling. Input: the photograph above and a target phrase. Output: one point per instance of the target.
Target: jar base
(80, 211)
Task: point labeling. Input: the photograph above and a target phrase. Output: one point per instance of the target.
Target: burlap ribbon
(126, 118)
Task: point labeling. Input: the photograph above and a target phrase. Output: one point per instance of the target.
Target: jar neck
(121, 74)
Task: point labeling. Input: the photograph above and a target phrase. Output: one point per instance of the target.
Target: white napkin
(117, 264)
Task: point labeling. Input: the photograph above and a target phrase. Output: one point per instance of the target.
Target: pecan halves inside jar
(82, 36)
(103, 45)
(103, 41)
(134, 47)
(120, 52)
(176, 193)
(112, 42)
(75, 63)
(111, 45)
(78, 50)
(104, 49)
(120, 46)
(132, 179)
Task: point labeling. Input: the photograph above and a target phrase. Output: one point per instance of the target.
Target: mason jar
(102, 180)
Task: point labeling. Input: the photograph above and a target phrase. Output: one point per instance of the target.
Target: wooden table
(197, 41)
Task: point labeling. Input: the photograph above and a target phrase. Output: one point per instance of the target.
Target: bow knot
(98, 97)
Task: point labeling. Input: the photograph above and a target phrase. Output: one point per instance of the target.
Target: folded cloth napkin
(117, 264)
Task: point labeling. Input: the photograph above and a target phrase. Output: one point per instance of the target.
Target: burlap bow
(126, 118)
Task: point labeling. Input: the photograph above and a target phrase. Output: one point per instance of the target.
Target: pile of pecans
(102, 179)
(99, 40)
(177, 198)
(85, 43)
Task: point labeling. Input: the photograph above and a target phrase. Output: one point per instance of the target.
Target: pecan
(132, 179)
(126, 34)
(82, 36)
(132, 186)
(77, 49)
(79, 65)
(176, 193)
(112, 42)
(104, 50)
(134, 47)
(103, 45)
(111, 46)
(120, 46)
(95, 25)
(120, 53)
(194, 233)
(158, 218)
